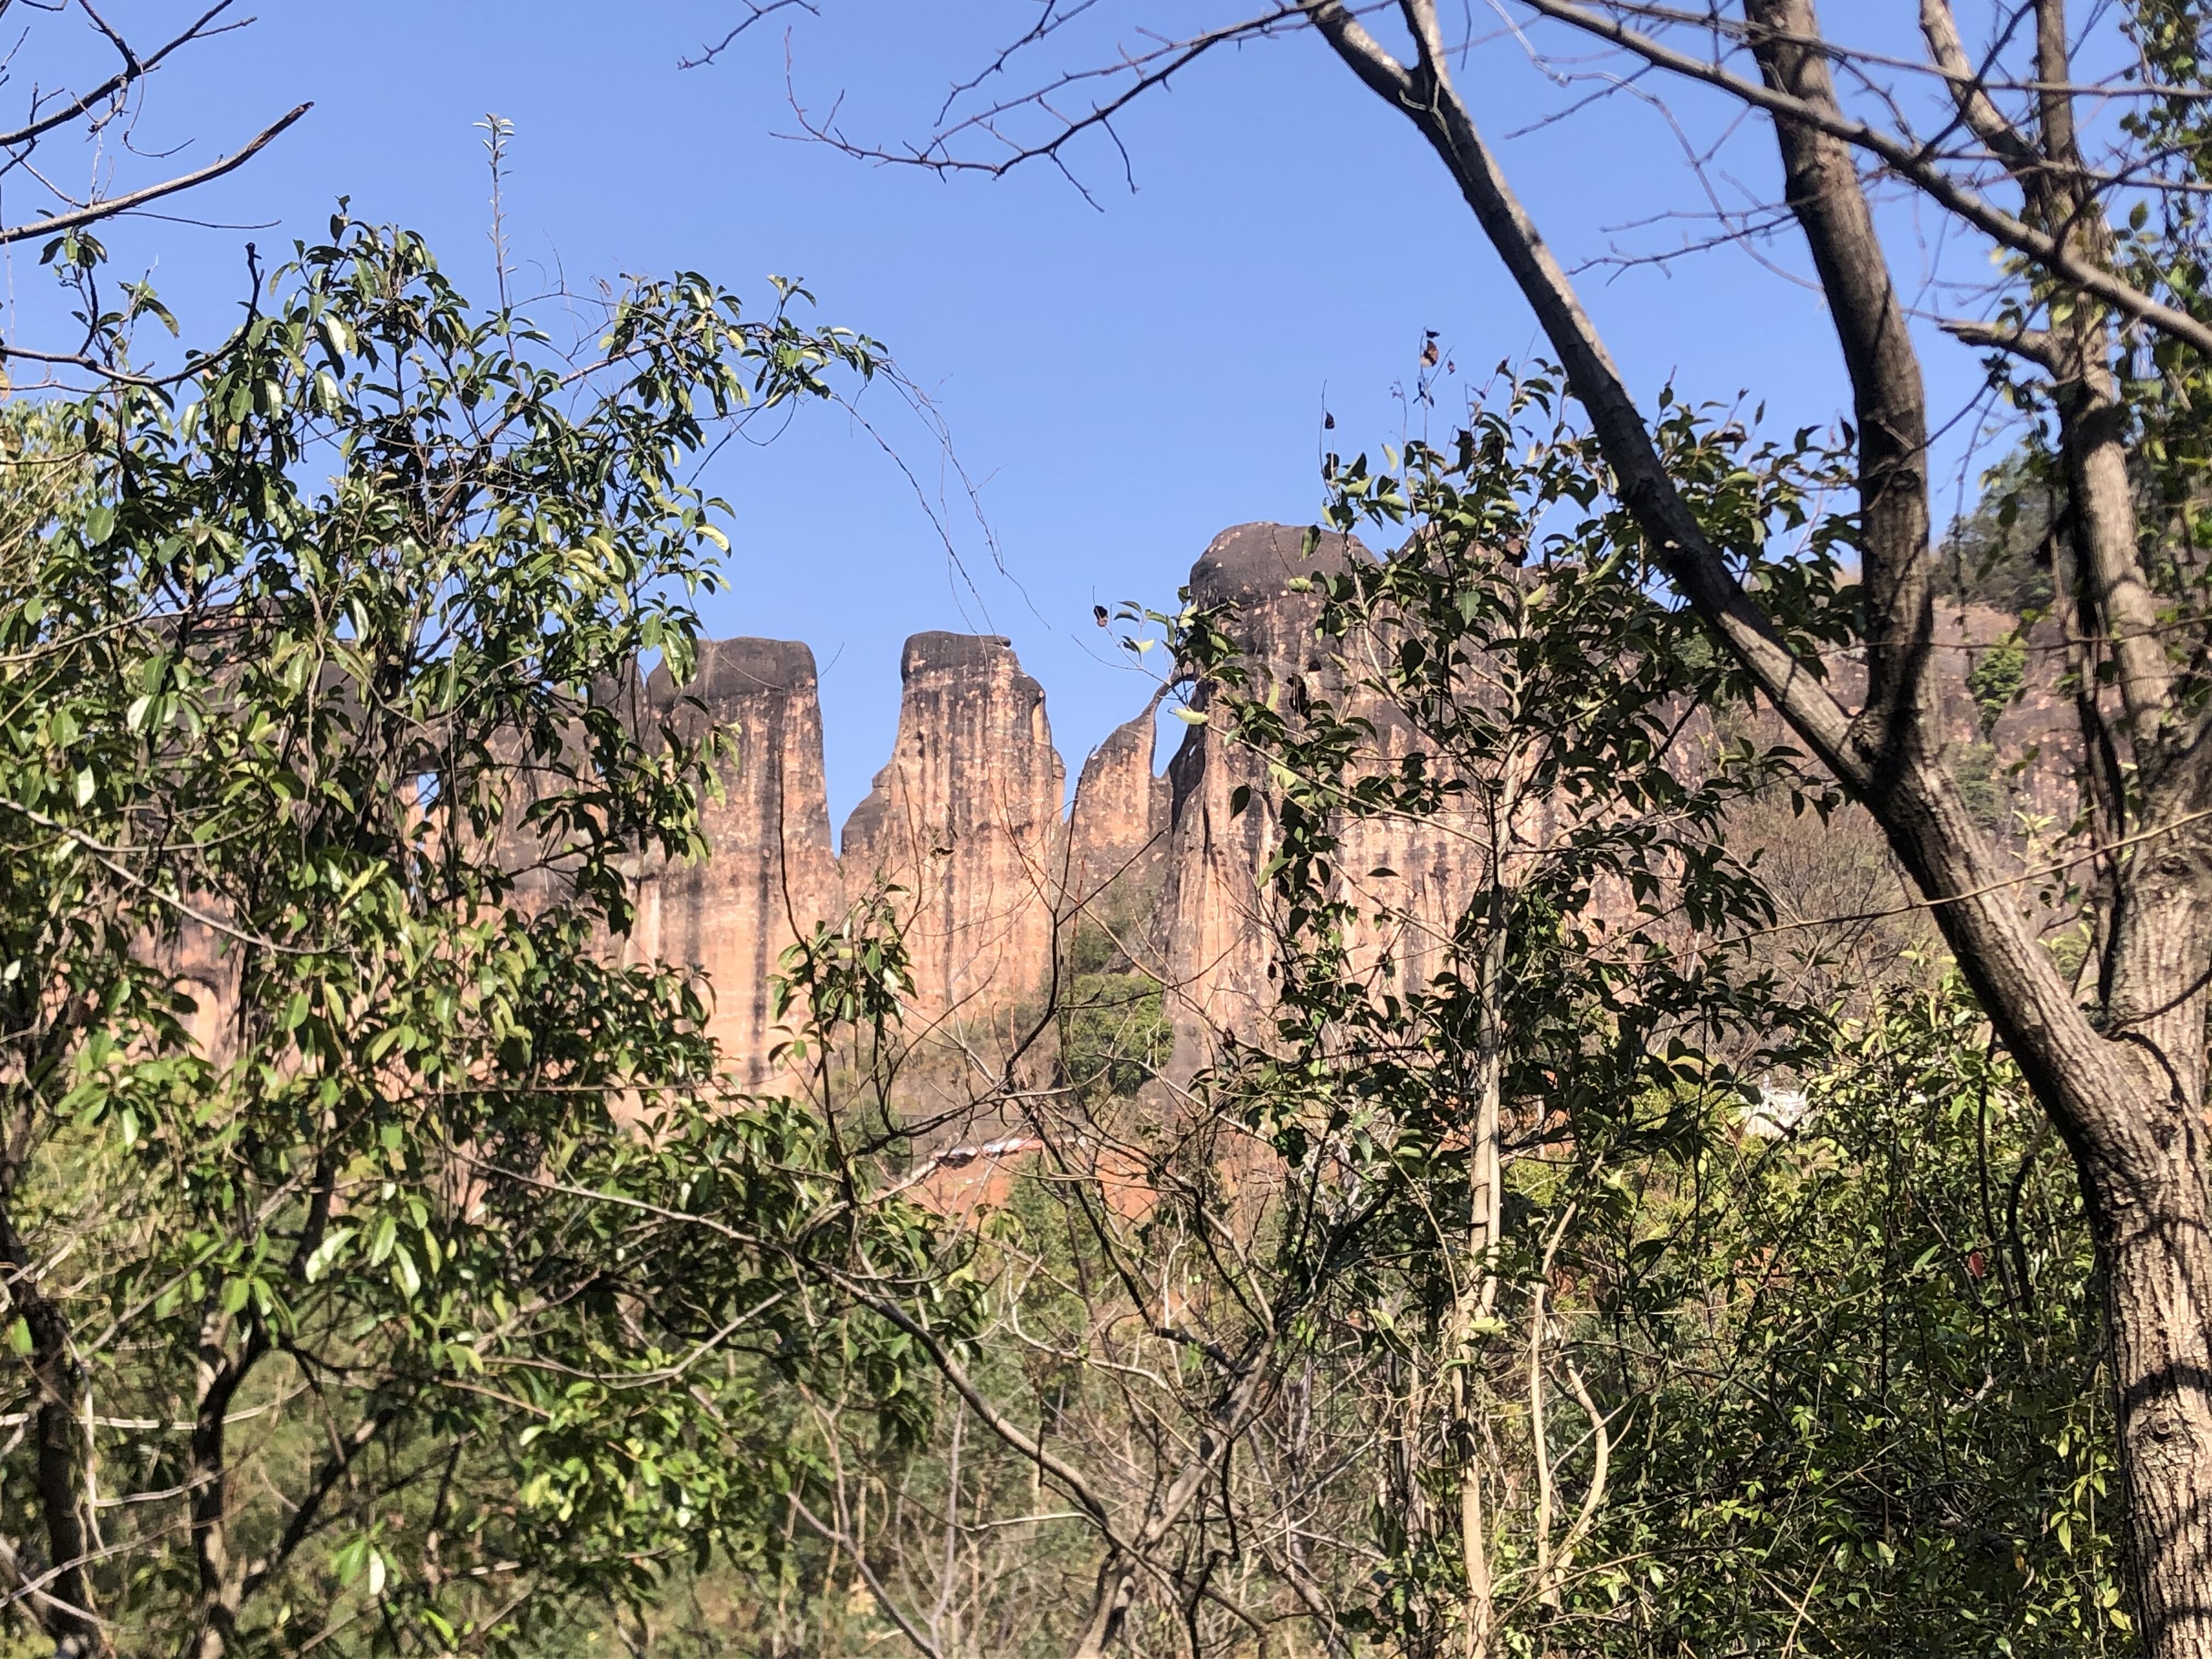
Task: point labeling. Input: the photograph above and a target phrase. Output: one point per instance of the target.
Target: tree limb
(1678, 541)
(134, 69)
(1910, 162)
(876, 1586)
(1889, 397)
(1941, 30)
(93, 212)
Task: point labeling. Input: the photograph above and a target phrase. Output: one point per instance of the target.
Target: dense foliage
(1547, 1266)
(388, 1268)
(1560, 1264)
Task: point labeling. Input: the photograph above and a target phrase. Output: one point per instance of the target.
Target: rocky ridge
(966, 828)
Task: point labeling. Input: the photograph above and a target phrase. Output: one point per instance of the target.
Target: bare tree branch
(1909, 161)
(134, 69)
(753, 14)
(110, 207)
(876, 1588)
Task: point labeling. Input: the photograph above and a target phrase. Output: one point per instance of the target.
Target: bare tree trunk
(1110, 1605)
(1477, 1300)
(2157, 1261)
(2144, 1173)
(63, 1604)
(223, 1580)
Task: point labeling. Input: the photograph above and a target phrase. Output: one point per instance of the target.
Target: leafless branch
(109, 206)
(754, 13)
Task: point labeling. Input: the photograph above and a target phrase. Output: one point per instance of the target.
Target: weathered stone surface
(771, 872)
(965, 820)
(1118, 822)
(1221, 928)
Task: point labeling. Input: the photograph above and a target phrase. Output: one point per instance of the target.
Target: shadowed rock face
(1222, 929)
(1219, 927)
(966, 820)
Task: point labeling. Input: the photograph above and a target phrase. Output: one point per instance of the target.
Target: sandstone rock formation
(1223, 931)
(965, 821)
(995, 870)
(771, 872)
(1119, 820)
(969, 821)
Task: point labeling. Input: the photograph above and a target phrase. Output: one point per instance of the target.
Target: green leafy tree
(1872, 1417)
(1457, 1085)
(1668, 1357)
(386, 1269)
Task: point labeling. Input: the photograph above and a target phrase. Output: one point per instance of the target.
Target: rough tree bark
(59, 1596)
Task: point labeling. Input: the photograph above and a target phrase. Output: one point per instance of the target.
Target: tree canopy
(388, 1267)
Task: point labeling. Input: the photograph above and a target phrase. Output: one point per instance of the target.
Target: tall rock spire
(770, 873)
(965, 821)
(1118, 821)
(1222, 927)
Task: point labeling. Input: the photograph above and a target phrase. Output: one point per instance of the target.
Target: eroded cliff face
(995, 870)
(1219, 927)
(771, 872)
(1223, 928)
(1118, 822)
(964, 829)
(965, 821)
(969, 821)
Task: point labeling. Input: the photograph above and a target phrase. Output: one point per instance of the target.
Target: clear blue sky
(1124, 382)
